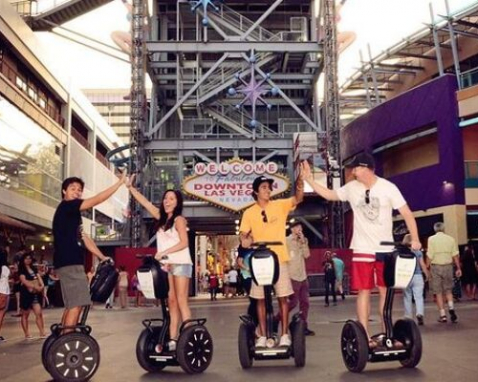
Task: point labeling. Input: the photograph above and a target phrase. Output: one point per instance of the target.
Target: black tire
(298, 343)
(195, 349)
(354, 346)
(145, 345)
(245, 344)
(406, 331)
(73, 357)
(45, 349)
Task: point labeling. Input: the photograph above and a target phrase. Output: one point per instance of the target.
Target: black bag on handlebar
(103, 282)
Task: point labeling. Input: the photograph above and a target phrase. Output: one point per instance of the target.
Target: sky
(378, 23)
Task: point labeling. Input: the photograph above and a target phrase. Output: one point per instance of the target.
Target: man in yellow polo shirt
(266, 221)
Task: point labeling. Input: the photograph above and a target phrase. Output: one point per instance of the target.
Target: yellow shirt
(441, 249)
(276, 212)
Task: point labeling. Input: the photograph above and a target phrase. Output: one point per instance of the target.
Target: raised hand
(130, 181)
(305, 172)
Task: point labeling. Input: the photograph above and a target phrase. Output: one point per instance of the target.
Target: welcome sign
(229, 184)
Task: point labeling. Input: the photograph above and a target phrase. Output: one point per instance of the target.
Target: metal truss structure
(333, 160)
(138, 112)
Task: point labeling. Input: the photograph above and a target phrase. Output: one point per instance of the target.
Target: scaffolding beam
(138, 113)
(332, 118)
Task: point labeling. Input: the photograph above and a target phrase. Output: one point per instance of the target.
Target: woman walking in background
(4, 287)
(31, 295)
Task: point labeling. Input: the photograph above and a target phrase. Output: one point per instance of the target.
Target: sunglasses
(264, 216)
(367, 197)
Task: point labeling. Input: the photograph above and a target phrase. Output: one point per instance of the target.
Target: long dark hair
(22, 269)
(164, 222)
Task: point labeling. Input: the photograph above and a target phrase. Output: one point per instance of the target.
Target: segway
(401, 341)
(75, 356)
(194, 348)
(264, 265)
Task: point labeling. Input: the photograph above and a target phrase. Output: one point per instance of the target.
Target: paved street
(449, 350)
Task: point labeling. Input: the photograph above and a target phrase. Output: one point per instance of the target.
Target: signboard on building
(229, 184)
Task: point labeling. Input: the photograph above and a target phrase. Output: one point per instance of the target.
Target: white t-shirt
(232, 276)
(372, 221)
(4, 287)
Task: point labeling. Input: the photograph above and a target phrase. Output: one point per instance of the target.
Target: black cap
(294, 223)
(363, 160)
(259, 180)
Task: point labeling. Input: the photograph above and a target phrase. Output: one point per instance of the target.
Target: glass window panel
(30, 162)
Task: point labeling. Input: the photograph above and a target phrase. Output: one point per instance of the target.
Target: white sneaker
(261, 342)
(172, 345)
(285, 341)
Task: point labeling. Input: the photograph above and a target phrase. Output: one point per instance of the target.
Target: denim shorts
(181, 270)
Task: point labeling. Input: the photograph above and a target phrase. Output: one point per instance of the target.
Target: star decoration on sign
(195, 4)
(253, 90)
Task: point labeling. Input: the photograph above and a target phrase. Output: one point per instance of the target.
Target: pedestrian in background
(299, 251)
(442, 254)
(415, 289)
(329, 278)
(339, 267)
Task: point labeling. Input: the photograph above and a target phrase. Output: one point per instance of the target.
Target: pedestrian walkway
(449, 349)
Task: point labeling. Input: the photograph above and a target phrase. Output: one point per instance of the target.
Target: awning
(11, 222)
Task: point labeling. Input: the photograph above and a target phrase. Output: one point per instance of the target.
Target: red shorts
(367, 275)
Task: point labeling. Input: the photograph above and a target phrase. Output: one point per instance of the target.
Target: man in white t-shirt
(372, 200)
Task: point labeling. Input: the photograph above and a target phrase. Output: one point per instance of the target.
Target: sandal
(372, 343)
(442, 319)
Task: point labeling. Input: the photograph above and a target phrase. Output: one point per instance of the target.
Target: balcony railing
(19, 82)
(35, 7)
(471, 173)
(469, 78)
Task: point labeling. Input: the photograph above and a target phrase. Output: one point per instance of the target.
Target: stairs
(61, 12)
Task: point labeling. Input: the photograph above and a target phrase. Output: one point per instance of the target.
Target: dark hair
(122, 268)
(163, 221)
(22, 269)
(3, 260)
(69, 181)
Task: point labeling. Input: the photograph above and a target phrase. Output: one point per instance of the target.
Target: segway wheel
(246, 344)
(354, 346)
(46, 348)
(194, 349)
(406, 331)
(73, 357)
(298, 343)
(145, 345)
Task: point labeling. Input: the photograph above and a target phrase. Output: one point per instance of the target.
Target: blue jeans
(415, 288)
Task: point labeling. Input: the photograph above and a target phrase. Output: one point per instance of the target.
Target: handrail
(35, 8)
(469, 78)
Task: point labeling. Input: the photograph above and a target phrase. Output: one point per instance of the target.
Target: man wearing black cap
(266, 221)
(372, 199)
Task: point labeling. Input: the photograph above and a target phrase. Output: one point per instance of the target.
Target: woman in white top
(4, 287)
(173, 249)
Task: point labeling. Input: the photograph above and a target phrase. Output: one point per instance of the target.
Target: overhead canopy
(14, 223)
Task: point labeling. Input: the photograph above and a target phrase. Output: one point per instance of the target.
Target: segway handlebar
(142, 256)
(266, 243)
(394, 243)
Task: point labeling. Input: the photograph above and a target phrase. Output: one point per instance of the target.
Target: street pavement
(449, 350)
